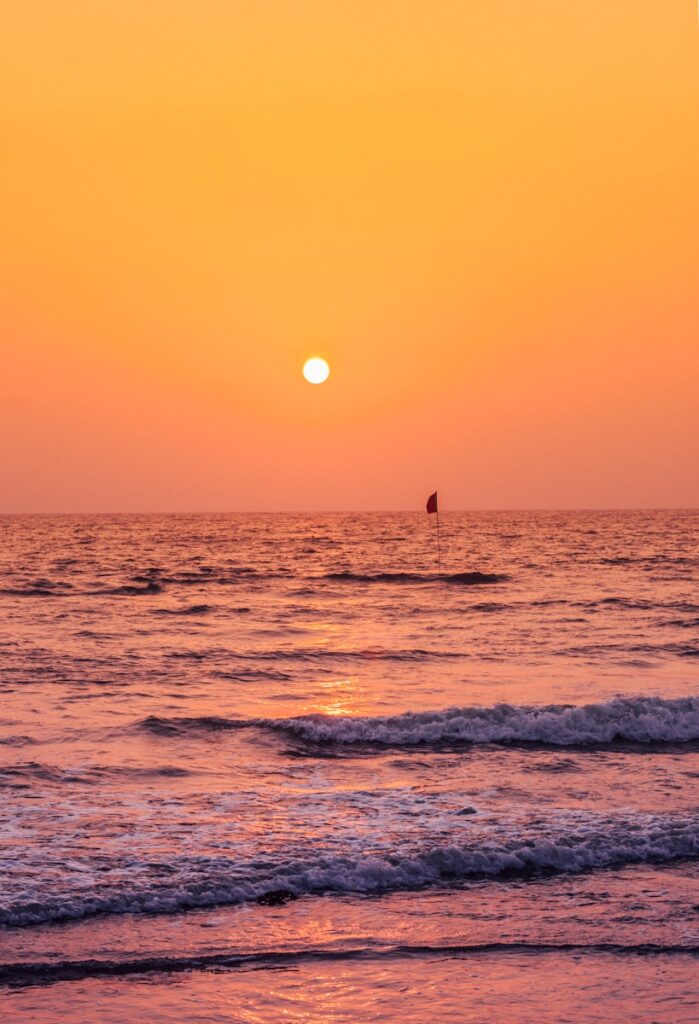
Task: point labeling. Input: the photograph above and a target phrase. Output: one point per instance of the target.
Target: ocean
(274, 767)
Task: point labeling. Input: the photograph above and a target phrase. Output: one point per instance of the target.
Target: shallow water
(448, 986)
(456, 788)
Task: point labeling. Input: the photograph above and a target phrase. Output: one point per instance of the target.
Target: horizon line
(350, 511)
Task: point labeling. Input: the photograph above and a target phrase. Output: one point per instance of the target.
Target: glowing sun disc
(316, 370)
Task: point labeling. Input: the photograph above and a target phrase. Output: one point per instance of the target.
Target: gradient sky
(485, 215)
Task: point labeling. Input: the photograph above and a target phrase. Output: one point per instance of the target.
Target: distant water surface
(274, 767)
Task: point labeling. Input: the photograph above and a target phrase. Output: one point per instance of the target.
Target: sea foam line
(207, 882)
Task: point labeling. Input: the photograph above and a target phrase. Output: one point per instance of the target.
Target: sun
(316, 370)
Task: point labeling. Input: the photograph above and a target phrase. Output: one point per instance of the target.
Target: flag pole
(432, 507)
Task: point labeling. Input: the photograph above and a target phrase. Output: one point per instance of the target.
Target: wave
(247, 674)
(631, 719)
(157, 582)
(128, 590)
(649, 560)
(39, 588)
(31, 592)
(681, 650)
(23, 775)
(228, 579)
(681, 623)
(45, 972)
(223, 576)
(160, 725)
(321, 654)
(197, 882)
(17, 741)
(465, 578)
(638, 720)
(192, 609)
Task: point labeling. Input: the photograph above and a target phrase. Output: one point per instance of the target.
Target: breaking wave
(194, 882)
(639, 720)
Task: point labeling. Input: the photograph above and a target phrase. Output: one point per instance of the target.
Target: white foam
(634, 719)
(206, 882)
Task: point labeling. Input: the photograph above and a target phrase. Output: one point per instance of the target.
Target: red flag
(432, 503)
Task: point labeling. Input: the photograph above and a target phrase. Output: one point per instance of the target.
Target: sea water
(265, 767)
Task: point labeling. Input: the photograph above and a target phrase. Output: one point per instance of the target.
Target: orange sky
(484, 215)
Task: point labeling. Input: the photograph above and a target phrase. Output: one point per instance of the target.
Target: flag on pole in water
(432, 506)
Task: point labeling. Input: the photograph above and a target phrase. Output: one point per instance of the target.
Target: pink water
(465, 798)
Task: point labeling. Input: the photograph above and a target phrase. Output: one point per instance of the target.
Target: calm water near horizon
(265, 767)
